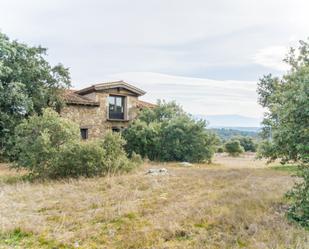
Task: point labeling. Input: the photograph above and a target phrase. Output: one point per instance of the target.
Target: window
(84, 133)
(115, 129)
(116, 107)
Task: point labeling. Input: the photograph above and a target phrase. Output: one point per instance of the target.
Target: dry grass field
(232, 203)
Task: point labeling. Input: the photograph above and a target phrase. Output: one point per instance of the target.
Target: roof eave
(110, 85)
(80, 103)
(86, 90)
(134, 90)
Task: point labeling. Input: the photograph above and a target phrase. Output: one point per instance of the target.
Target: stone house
(104, 106)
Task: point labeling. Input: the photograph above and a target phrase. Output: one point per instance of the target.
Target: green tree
(286, 124)
(39, 139)
(49, 146)
(28, 83)
(233, 147)
(287, 102)
(167, 133)
(246, 142)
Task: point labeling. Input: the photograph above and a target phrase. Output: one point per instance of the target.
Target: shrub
(38, 140)
(50, 146)
(116, 159)
(144, 139)
(266, 149)
(167, 133)
(233, 147)
(184, 139)
(247, 143)
(136, 158)
(299, 196)
(79, 159)
(220, 149)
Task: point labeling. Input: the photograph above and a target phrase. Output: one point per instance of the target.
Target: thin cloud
(197, 95)
(200, 39)
(272, 57)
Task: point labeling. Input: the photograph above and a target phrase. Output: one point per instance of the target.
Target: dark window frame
(114, 105)
(84, 132)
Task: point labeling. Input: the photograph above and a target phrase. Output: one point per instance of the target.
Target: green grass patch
(241, 243)
(14, 237)
(11, 179)
(289, 168)
(18, 238)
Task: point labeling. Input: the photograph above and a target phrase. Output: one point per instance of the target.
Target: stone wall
(95, 118)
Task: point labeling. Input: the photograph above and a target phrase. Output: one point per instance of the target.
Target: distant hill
(227, 133)
(231, 121)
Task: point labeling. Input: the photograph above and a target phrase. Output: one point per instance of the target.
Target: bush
(167, 133)
(136, 158)
(39, 139)
(299, 196)
(50, 146)
(78, 159)
(143, 138)
(233, 147)
(266, 149)
(116, 159)
(220, 149)
(247, 143)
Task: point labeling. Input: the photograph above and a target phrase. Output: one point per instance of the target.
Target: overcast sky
(207, 55)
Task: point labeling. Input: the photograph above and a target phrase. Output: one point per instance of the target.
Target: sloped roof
(111, 85)
(143, 104)
(71, 97)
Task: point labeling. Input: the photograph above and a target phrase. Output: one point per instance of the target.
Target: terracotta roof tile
(143, 104)
(73, 98)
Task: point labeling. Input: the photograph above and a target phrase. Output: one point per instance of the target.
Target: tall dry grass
(204, 206)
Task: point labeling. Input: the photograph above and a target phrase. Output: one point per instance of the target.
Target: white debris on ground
(156, 172)
(185, 164)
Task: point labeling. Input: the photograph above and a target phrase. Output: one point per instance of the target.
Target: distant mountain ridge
(228, 133)
(231, 121)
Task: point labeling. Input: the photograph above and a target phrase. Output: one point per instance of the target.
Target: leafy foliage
(233, 147)
(116, 159)
(287, 101)
(227, 133)
(286, 124)
(28, 83)
(220, 149)
(39, 139)
(299, 195)
(247, 143)
(76, 159)
(167, 133)
(49, 146)
(267, 149)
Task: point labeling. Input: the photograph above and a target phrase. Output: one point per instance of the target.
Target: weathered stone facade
(89, 107)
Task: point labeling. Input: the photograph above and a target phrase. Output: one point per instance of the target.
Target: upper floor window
(116, 107)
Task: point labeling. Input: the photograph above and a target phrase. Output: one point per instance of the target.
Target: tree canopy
(167, 133)
(28, 83)
(49, 146)
(233, 147)
(287, 102)
(286, 124)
